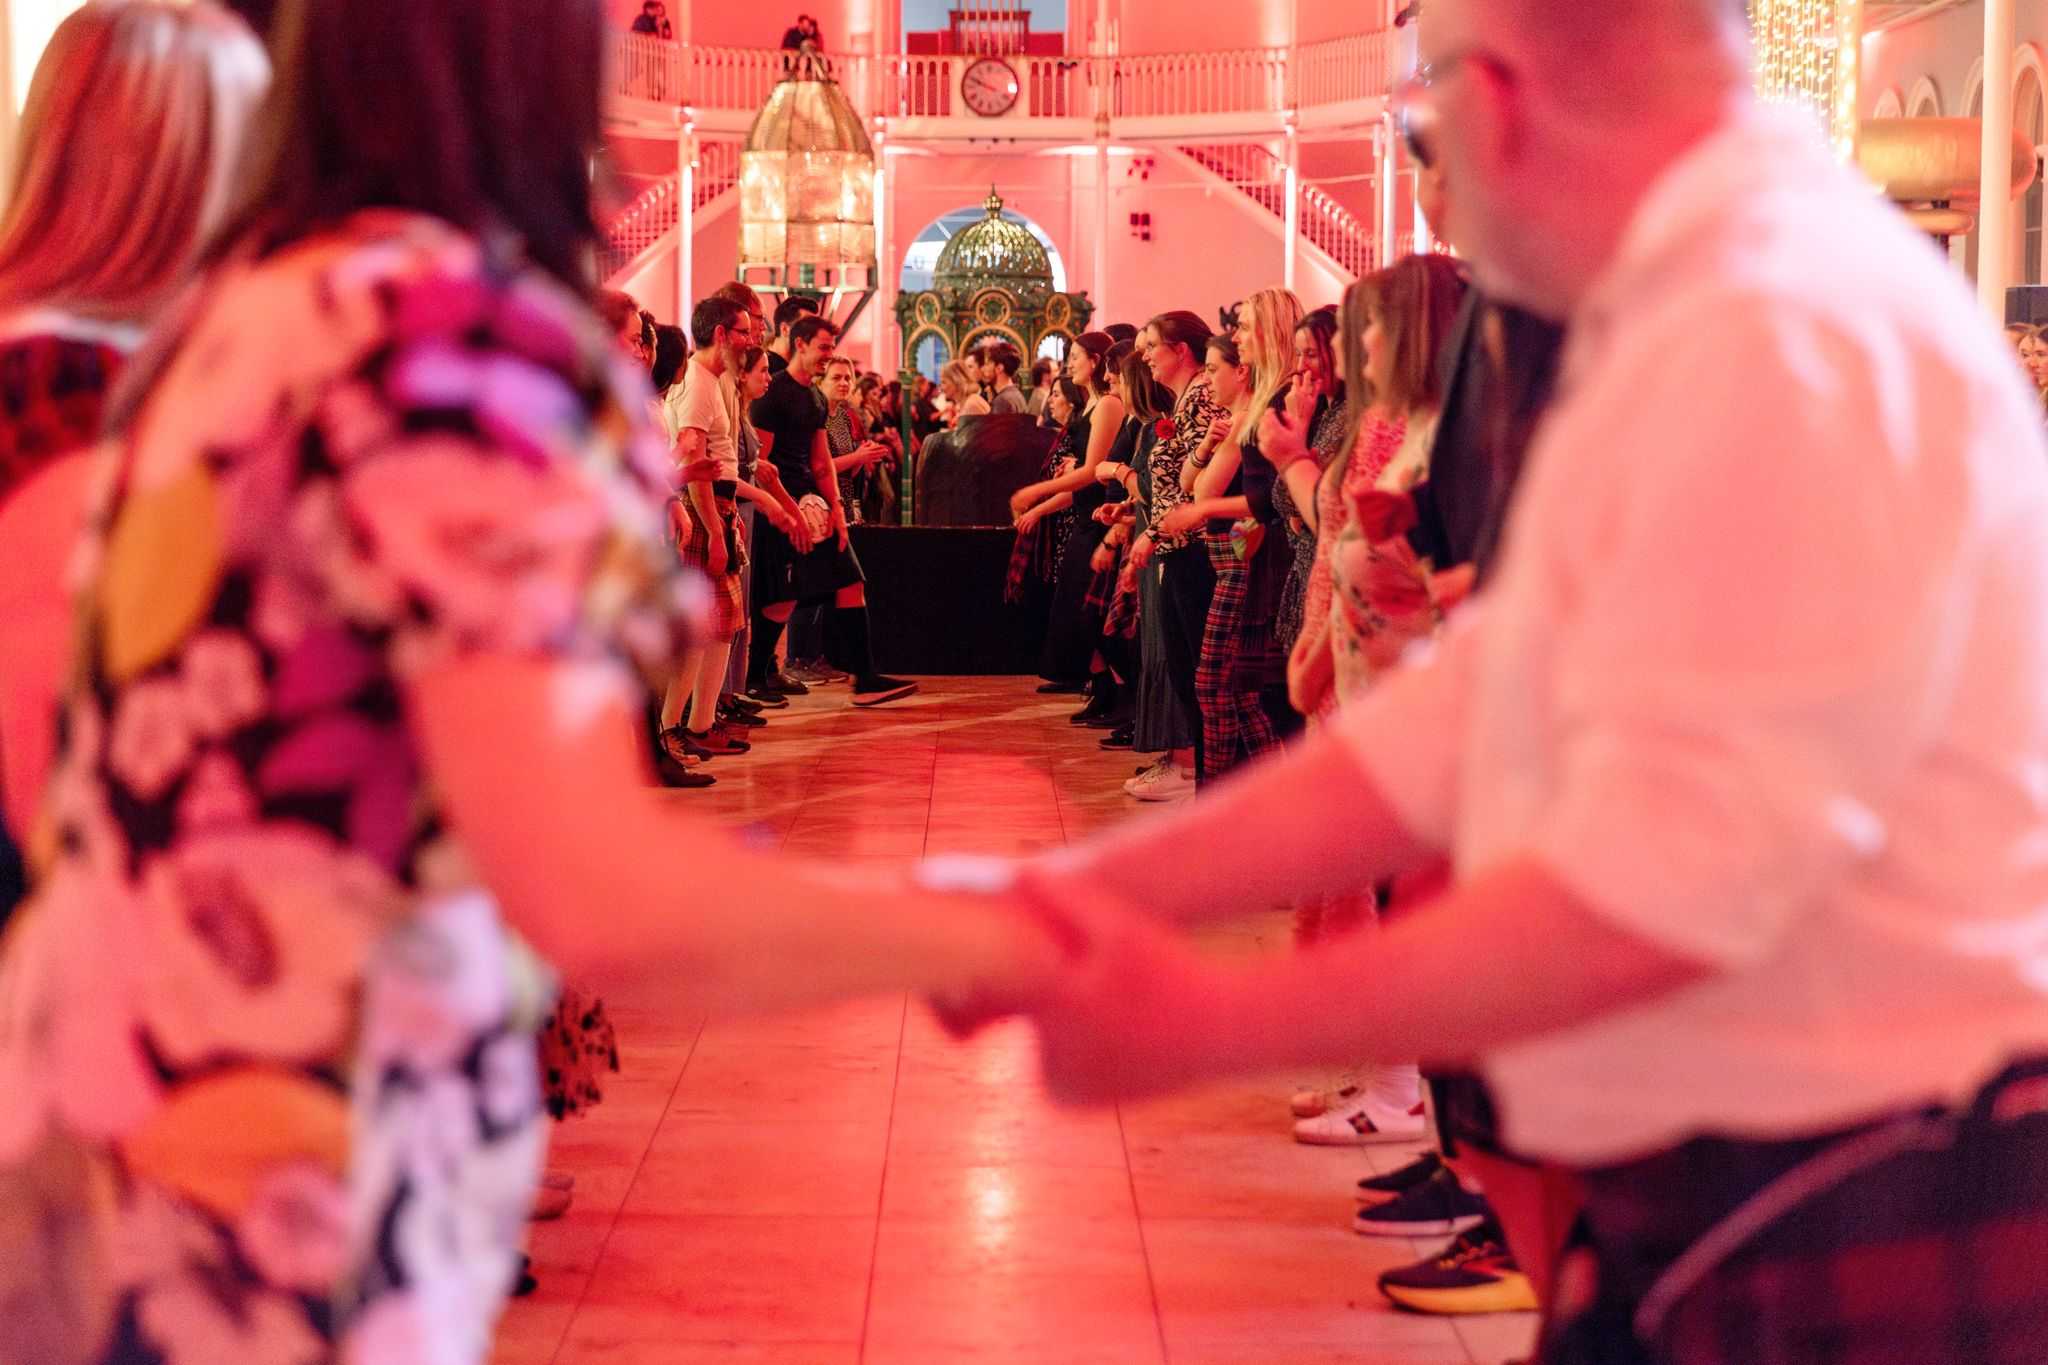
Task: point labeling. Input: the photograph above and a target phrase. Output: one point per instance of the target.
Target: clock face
(990, 87)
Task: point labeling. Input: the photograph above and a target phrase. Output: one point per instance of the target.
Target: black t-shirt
(776, 364)
(793, 414)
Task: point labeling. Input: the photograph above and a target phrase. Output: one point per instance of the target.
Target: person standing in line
(703, 520)
(1745, 925)
(791, 418)
(1000, 363)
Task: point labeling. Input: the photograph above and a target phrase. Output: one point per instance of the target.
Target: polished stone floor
(851, 1186)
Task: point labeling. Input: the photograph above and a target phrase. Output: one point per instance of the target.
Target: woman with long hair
(1069, 661)
(1159, 725)
(384, 496)
(1394, 325)
(1177, 355)
(1240, 684)
(1317, 419)
(133, 123)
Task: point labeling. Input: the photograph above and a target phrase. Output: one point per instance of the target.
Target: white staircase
(652, 223)
(1326, 226)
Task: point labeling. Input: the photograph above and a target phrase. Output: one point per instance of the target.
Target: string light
(1808, 54)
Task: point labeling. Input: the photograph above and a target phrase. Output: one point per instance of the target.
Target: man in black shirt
(787, 314)
(791, 420)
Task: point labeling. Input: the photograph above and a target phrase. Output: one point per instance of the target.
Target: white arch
(2024, 59)
(1888, 105)
(1925, 100)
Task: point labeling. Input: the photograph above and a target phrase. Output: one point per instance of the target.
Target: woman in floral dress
(385, 499)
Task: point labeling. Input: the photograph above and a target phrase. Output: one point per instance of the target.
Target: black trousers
(1187, 582)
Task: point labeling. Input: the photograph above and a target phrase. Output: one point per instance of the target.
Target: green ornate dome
(994, 252)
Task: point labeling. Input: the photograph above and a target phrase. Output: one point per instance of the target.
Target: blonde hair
(128, 145)
(1270, 319)
(957, 372)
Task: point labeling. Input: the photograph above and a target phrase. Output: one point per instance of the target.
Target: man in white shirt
(1741, 757)
(708, 470)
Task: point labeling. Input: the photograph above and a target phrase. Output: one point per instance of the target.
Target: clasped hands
(1112, 1016)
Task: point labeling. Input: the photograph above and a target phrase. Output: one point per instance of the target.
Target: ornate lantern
(807, 191)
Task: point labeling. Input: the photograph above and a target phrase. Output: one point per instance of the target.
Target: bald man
(1739, 755)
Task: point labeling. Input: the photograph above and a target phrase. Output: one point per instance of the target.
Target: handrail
(654, 212)
(1174, 84)
(1261, 176)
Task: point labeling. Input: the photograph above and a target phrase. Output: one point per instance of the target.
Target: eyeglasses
(1415, 111)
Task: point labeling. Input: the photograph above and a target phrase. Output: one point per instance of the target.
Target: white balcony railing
(1183, 84)
(1262, 177)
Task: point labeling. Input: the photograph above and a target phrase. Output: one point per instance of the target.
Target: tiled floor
(850, 1186)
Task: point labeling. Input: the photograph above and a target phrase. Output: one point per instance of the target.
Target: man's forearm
(1509, 956)
(1309, 822)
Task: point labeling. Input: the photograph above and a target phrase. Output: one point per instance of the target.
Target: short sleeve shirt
(1008, 400)
(705, 402)
(793, 414)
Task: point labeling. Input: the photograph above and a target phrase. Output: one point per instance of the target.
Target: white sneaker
(1147, 774)
(1361, 1122)
(1164, 783)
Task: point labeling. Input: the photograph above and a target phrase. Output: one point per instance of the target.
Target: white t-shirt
(705, 402)
(1762, 675)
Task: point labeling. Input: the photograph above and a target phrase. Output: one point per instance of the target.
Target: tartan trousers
(1933, 1249)
(1235, 726)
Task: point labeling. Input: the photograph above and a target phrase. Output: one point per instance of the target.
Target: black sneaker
(734, 702)
(678, 775)
(765, 697)
(881, 688)
(1475, 1274)
(786, 685)
(1102, 705)
(1438, 1207)
(746, 720)
(1123, 737)
(1378, 1189)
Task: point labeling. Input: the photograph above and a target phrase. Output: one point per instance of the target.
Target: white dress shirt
(1763, 674)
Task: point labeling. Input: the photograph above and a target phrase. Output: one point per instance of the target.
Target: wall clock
(990, 87)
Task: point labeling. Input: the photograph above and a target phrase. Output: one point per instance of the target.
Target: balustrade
(1181, 84)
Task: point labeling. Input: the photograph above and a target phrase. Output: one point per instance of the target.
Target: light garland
(1808, 53)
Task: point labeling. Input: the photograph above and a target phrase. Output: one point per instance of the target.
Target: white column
(1101, 229)
(1291, 268)
(1383, 138)
(1995, 217)
(884, 308)
(686, 224)
(1424, 242)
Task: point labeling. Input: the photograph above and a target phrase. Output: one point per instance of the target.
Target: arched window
(1925, 101)
(1889, 105)
(2030, 120)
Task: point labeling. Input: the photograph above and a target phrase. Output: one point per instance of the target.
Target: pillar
(686, 221)
(1995, 221)
(1292, 266)
(1102, 313)
(1385, 233)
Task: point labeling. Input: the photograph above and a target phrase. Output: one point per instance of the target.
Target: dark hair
(804, 329)
(1076, 396)
(1147, 398)
(710, 315)
(1003, 356)
(1225, 346)
(1122, 351)
(1122, 331)
(616, 308)
(1182, 328)
(1042, 369)
(749, 358)
(436, 106)
(791, 308)
(1097, 345)
(739, 292)
(671, 351)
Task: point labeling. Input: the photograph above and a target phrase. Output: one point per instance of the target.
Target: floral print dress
(268, 1052)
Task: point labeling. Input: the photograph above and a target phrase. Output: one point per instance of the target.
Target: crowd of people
(781, 446)
(1238, 531)
(359, 550)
